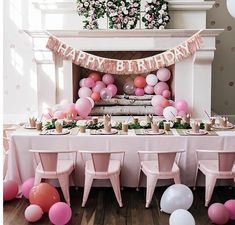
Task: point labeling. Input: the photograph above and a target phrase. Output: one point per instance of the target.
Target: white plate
(54, 132)
(27, 126)
(201, 132)
(103, 132)
(229, 126)
(151, 132)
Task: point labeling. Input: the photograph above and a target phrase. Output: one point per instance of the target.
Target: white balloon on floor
(181, 217)
(231, 7)
(177, 196)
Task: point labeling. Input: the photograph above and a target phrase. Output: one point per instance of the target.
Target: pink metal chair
(164, 166)
(6, 146)
(223, 167)
(49, 166)
(101, 166)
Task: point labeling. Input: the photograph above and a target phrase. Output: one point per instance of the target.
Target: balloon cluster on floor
(176, 200)
(43, 198)
(221, 213)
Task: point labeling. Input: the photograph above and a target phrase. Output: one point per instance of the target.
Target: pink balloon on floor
(84, 92)
(83, 107)
(181, 105)
(163, 74)
(218, 214)
(160, 87)
(108, 79)
(99, 85)
(139, 91)
(230, 206)
(148, 90)
(113, 89)
(157, 100)
(33, 213)
(27, 186)
(60, 213)
(89, 82)
(158, 110)
(10, 190)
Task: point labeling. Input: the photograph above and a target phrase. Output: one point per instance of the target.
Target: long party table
(21, 164)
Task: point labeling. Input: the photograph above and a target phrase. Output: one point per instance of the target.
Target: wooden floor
(103, 209)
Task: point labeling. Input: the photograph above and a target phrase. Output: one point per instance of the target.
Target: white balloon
(64, 103)
(170, 113)
(56, 107)
(177, 196)
(91, 101)
(181, 217)
(231, 7)
(151, 79)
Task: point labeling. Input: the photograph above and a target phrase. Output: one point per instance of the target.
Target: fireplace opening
(121, 104)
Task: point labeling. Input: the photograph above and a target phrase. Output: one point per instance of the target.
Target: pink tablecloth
(21, 164)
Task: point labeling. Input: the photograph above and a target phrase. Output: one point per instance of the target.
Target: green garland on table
(66, 124)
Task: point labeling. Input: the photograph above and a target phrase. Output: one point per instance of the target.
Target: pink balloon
(82, 82)
(89, 82)
(158, 110)
(230, 206)
(163, 74)
(105, 94)
(181, 105)
(172, 103)
(182, 113)
(33, 213)
(84, 92)
(166, 94)
(113, 89)
(108, 79)
(71, 110)
(218, 213)
(149, 90)
(47, 113)
(60, 213)
(91, 101)
(10, 190)
(139, 91)
(59, 115)
(83, 107)
(27, 186)
(157, 100)
(160, 87)
(98, 86)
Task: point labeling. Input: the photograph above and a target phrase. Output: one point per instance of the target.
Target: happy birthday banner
(136, 66)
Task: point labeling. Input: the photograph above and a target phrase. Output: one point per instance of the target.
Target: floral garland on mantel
(124, 14)
(156, 14)
(92, 10)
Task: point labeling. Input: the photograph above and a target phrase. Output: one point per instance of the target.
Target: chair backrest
(165, 159)
(6, 140)
(226, 160)
(49, 158)
(101, 159)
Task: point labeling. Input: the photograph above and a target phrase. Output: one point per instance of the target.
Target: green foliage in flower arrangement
(156, 14)
(123, 14)
(66, 124)
(97, 126)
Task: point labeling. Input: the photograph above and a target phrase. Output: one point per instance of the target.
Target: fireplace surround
(191, 77)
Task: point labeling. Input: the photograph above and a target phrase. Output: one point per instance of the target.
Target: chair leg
(177, 178)
(151, 184)
(87, 188)
(210, 184)
(139, 179)
(195, 179)
(115, 181)
(37, 179)
(64, 184)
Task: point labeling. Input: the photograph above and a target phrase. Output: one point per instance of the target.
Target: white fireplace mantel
(192, 76)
